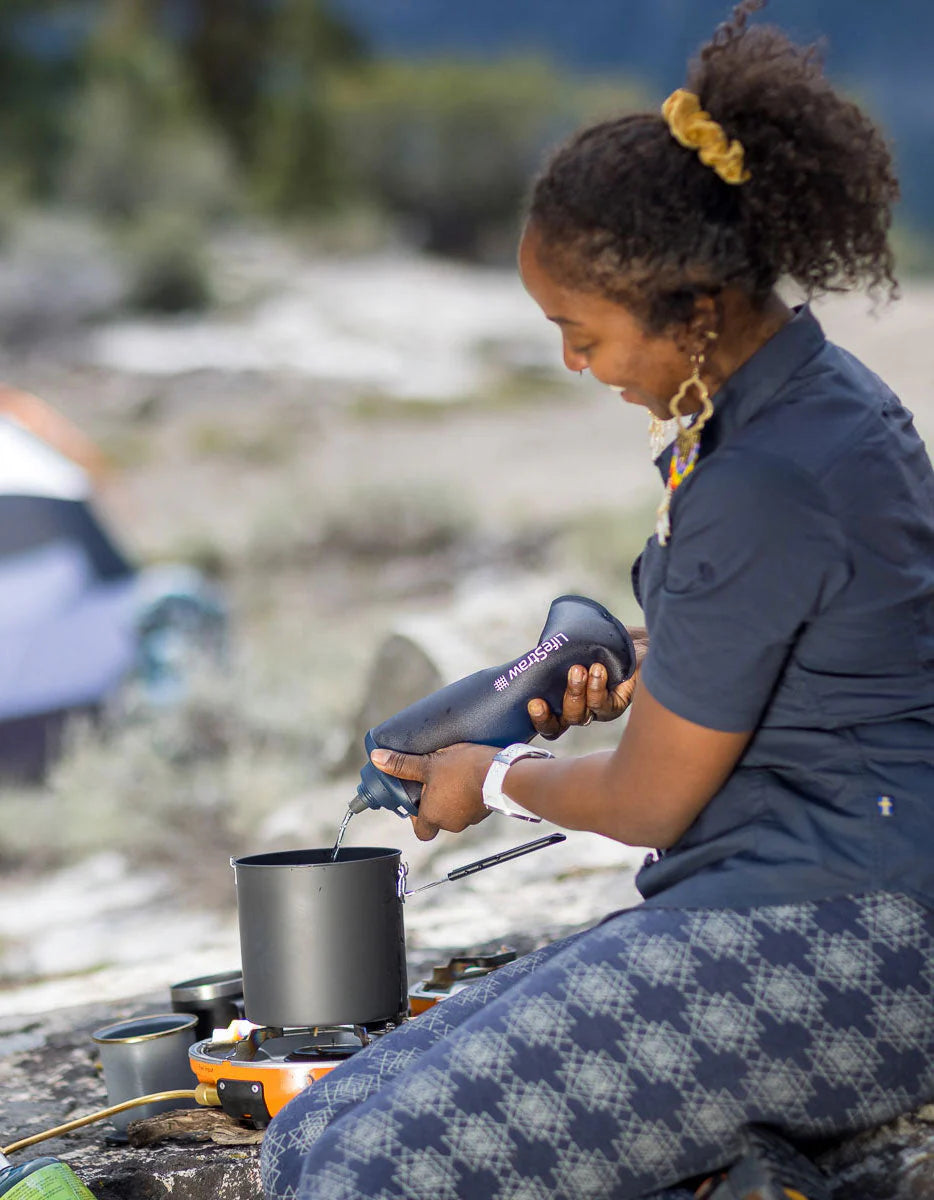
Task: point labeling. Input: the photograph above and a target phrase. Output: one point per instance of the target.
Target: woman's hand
(453, 779)
(586, 697)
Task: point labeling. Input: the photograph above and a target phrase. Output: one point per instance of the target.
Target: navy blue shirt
(795, 598)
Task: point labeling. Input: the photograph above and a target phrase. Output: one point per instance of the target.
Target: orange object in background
(81, 620)
(47, 423)
(455, 975)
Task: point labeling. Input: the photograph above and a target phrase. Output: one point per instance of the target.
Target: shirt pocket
(867, 667)
(877, 642)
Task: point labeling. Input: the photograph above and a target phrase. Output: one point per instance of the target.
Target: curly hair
(626, 211)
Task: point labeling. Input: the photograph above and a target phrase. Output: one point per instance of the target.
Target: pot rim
(294, 858)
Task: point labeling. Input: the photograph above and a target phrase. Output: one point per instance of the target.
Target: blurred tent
(78, 620)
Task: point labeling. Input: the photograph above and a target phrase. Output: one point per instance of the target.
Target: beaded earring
(687, 439)
(660, 434)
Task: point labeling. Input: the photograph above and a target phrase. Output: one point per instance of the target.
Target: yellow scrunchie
(697, 130)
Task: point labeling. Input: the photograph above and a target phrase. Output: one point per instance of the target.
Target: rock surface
(893, 1162)
(49, 1077)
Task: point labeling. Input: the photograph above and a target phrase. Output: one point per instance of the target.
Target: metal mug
(322, 942)
(215, 1000)
(144, 1055)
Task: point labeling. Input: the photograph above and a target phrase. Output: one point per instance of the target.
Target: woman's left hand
(587, 697)
(453, 778)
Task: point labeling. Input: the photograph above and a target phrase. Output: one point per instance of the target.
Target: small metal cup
(144, 1055)
(215, 1000)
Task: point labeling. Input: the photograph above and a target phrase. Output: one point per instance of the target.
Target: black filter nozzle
(490, 707)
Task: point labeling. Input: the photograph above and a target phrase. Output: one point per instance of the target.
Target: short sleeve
(754, 556)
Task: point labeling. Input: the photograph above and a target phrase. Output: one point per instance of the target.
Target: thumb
(402, 766)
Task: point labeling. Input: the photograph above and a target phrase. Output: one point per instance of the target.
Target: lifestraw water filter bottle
(490, 707)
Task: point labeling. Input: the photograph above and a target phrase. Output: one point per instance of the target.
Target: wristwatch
(493, 796)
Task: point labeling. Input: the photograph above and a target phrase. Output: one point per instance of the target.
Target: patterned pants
(627, 1058)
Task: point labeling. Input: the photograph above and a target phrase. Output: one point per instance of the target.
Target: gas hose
(203, 1094)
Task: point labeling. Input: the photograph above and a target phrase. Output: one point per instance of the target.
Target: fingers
(623, 694)
(425, 831)
(640, 641)
(452, 797)
(586, 698)
(607, 705)
(597, 700)
(574, 706)
(546, 724)
(402, 766)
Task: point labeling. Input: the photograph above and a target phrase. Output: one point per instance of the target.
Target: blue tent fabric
(67, 638)
(78, 619)
(30, 521)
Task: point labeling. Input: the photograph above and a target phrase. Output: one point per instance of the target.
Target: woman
(780, 744)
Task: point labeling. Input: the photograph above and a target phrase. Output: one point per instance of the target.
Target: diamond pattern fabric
(624, 1060)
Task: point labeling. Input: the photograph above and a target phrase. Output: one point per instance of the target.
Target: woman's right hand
(586, 697)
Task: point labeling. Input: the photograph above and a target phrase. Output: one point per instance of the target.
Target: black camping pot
(322, 942)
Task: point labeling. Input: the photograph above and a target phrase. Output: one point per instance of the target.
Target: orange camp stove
(457, 973)
(258, 1074)
(258, 1069)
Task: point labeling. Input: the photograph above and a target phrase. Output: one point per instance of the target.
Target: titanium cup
(144, 1055)
(215, 1000)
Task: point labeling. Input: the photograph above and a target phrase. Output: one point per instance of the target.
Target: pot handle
(481, 864)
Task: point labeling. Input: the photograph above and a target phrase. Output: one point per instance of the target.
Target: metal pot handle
(481, 864)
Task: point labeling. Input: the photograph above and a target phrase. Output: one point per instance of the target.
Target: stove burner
(259, 1074)
(319, 1053)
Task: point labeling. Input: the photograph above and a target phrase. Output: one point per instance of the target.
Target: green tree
(34, 92)
(450, 145)
(138, 138)
(297, 162)
(227, 51)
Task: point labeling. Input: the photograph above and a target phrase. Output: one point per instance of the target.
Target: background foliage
(210, 109)
(307, 110)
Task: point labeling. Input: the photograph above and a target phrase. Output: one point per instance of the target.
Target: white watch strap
(493, 795)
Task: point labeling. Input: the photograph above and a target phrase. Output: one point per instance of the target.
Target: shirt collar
(758, 380)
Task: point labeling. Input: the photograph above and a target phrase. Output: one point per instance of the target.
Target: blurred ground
(348, 444)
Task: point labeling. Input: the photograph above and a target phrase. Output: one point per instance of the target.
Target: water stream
(340, 834)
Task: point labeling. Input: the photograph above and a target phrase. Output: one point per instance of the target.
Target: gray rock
(892, 1162)
(56, 275)
(56, 1080)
